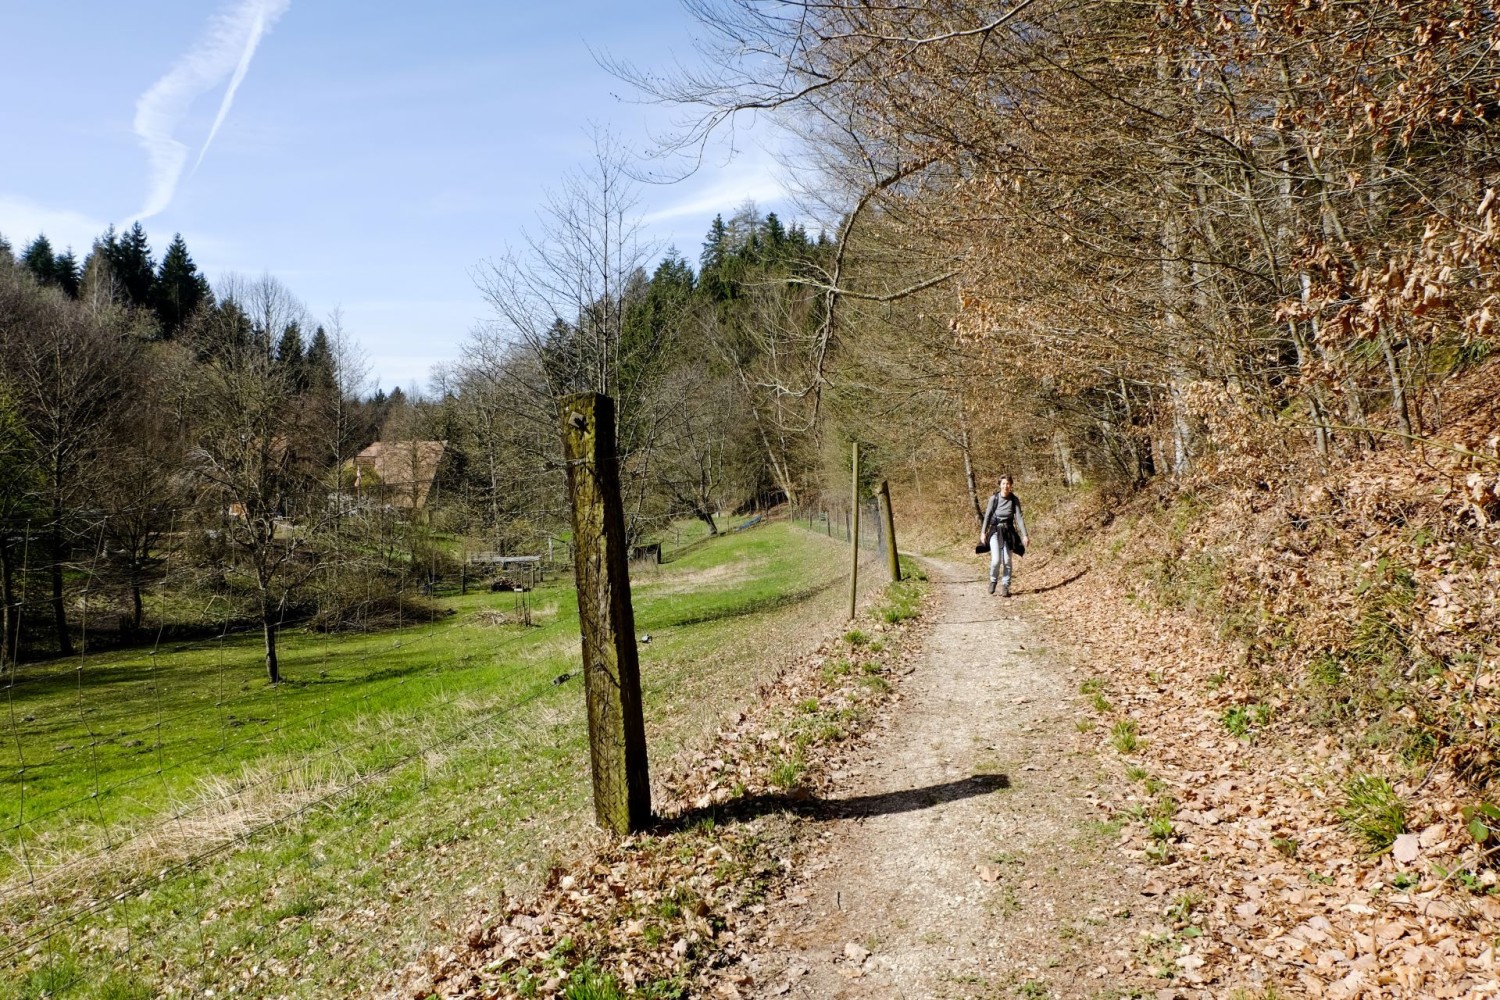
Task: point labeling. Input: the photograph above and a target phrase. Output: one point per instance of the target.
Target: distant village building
(399, 473)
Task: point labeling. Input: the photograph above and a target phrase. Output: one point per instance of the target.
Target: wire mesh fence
(835, 519)
(145, 743)
(168, 815)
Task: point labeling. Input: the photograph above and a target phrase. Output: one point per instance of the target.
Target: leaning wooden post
(890, 531)
(611, 669)
(854, 536)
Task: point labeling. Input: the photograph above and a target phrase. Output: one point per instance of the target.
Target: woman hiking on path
(1003, 530)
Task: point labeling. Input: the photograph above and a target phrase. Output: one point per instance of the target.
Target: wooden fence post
(889, 518)
(854, 537)
(611, 668)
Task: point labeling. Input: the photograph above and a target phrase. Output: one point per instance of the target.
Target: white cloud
(751, 178)
(21, 221)
(224, 51)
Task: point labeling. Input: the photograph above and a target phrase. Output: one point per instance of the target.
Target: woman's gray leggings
(999, 555)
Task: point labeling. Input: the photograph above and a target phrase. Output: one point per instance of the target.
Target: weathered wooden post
(611, 669)
(854, 536)
(886, 515)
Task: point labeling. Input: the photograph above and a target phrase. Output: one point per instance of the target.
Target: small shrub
(856, 638)
(1462, 877)
(1326, 671)
(1237, 720)
(120, 987)
(1483, 822)
(1094, 685)
(1417, 746)
(588, 983)
(663, 989)
(1124, 736)
(1373, 811)
(1101, 704)
(1473, 351)
(1136, 773)
(787, 772)
(1286, 846)
(1184, 906)
(55, 978)
(834, 669)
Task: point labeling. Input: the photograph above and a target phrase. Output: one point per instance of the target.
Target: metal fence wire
(835, 519)
(170, 820)
(153, 780)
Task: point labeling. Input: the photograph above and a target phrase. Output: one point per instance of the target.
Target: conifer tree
(102, 255)
(775, 233)
(714, 245)
(291, 357)
(321, 378)
(179, 290)
(133, 266)
(712, 281)
(40, 261)
(67, 273)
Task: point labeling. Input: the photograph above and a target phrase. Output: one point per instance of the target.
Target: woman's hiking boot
(992, 586)
(1004, 591)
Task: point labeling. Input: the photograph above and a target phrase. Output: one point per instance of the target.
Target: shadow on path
(1055, 586)
(858, 807)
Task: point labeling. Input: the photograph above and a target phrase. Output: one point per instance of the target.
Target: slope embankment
(1300, 671)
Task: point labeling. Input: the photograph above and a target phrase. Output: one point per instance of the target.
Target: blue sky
(372, 155)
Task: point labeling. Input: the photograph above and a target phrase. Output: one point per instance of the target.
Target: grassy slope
(465, 760)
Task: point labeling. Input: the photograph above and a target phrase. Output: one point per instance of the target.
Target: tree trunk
(969, 479)
(137, 608)
(1398, 388)
(59, 609)
(1071, 474)
(1174, 281)
(11, 613)
(706, 516)
(780, 470)
(268, 626)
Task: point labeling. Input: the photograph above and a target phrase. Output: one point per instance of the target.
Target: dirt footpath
(974, 856)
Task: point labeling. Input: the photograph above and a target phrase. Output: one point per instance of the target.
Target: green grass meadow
(171, 822)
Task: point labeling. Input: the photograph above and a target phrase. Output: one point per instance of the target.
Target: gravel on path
(983, 862)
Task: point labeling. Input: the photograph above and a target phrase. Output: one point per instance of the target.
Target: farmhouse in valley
(399, 473)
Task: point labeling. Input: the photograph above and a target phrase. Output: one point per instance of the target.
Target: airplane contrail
(224, 50)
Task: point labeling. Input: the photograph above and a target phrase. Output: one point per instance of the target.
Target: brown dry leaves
(684, 901)
(1285, 896)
